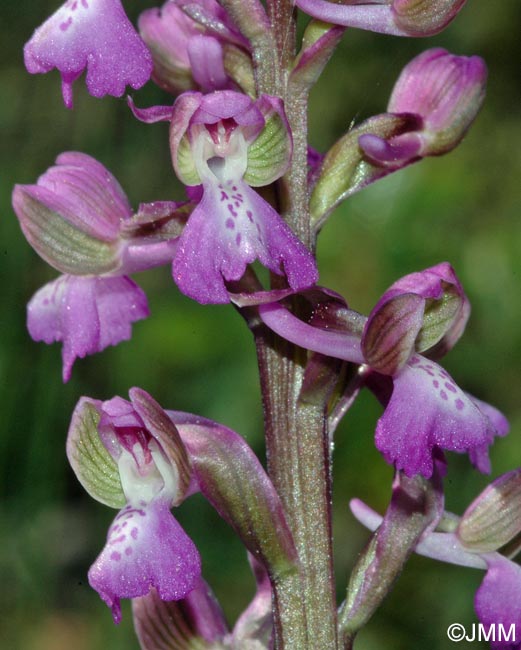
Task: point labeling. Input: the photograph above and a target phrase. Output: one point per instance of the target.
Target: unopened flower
(397, 17)
(188, 54)
(146, 548)
(424, 407)
(227, 143)
(444, 92)
(95, 35)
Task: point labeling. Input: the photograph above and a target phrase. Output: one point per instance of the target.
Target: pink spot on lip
(460, 405)
(230, 224)
(436, 383)
(443, 395)
(128, 550)
(450, 387)
(115, 556)
(65, 26)
(134, 533)
(249, 214)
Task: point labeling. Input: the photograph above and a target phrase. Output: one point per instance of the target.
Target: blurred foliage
(462, 208)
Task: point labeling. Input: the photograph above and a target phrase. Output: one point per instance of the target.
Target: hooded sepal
(95, 468)
(146, 548)
(87, 314)
(446, 91)
(193, 621)
(72, 216)
(95, 35)
(493, 519)
(424, 311)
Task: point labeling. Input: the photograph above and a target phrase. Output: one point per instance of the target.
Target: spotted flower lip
(450, 419)
(221, 141)
(95, 35)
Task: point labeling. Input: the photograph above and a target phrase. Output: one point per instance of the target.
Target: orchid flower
(80, 221)
(424, 407)
(227, 143)
(146, 472)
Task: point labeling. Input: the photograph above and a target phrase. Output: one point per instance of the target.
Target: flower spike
(95, 35)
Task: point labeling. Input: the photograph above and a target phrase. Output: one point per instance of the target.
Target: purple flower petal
(207, 63)
(95, 35)
(479, 456)
(145, 548)
(427, 410)
(498, 600)
(86, 314)
(230, 228)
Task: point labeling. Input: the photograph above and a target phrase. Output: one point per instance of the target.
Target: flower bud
(414, 18)
(446, 91)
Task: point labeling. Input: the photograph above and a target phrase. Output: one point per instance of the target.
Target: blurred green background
(463, 208)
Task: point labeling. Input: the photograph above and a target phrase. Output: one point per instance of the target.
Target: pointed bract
(95, 35)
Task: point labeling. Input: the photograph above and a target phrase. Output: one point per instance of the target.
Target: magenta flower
(424, 407)
(397, 17)
(79, 220)
(95, 35)
(218, 141)
(146, 548)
